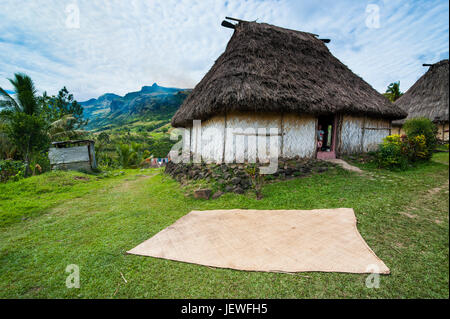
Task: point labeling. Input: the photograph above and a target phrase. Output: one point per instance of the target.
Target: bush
(125, 155)
(418, 144)
(417, 148)
(393, 152)
(42, 162)
(10, 169)
(105, 160)
(399, 151)
(422, 126)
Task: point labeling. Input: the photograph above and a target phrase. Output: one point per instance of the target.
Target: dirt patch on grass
(399, 245)
(345, 165)
(423, 205)
(408, 215)
(81, 178)
(437, 189)
(34, 290)
(128, 182)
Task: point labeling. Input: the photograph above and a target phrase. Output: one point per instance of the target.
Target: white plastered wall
(299, 135)
(239, 141)
(360, 134)
(375, 131)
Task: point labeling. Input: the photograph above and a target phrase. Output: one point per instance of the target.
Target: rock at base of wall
(217, 194)
(202, 193)
(235, 178)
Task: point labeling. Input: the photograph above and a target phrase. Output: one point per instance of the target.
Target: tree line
(29, 121)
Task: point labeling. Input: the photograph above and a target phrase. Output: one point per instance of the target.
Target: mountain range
(149, 104)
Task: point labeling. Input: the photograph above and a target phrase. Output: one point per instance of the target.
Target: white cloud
(123, 45)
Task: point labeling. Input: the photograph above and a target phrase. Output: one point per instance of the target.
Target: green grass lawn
(441, 157)
(34, 196)
(51, 221)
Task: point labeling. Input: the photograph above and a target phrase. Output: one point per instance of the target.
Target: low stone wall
(235, 178)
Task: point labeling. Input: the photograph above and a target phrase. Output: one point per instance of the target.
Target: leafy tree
(393, 91)
(27, 133)
(101, 144)
(63, 105)
(104, 138)
(7, 149)
(137, 148)
(24, 125)
(125, 155)
(160, 147)
(64, 129)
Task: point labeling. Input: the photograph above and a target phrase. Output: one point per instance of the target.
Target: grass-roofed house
(271, 77)
(428, 98)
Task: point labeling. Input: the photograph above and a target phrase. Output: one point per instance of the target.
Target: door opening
(326, 137)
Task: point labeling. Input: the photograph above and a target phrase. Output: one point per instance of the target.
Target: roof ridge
(281, 70)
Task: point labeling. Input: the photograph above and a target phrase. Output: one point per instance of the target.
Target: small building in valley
(73, 155)
(428, 98)
(271, 77)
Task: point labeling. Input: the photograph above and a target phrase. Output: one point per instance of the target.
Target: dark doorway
(326, 136)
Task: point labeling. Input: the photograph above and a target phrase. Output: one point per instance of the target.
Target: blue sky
(119, 46)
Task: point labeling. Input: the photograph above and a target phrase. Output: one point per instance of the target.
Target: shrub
(417, 148)
(398, 151)
(125, 155)
(393, 152)
(105, 160)
(422, 126)
(40, 161)
(10, 169)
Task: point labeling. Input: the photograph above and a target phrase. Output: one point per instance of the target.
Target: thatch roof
(270, 69)
(428, 97)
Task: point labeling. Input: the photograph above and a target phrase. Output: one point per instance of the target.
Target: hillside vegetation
(150, 108)
(138, 118)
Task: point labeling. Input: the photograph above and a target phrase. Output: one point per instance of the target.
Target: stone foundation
(235, 178)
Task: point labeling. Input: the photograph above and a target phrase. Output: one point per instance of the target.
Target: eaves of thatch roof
(428, 97)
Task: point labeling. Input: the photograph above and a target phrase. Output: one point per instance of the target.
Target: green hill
(146, 110)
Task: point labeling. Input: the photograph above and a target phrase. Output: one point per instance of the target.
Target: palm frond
(25, 92)
(63, 129)
(10, 102)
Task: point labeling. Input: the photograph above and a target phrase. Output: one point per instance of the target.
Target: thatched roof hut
(428, 97)
(271, 69)
(279, 78)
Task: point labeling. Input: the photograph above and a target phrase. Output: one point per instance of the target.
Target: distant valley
(152, 104)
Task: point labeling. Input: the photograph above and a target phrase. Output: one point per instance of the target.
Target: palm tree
(26, 100)
(126, 155)
(393, 91)
(64, 129)
(21, 114)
